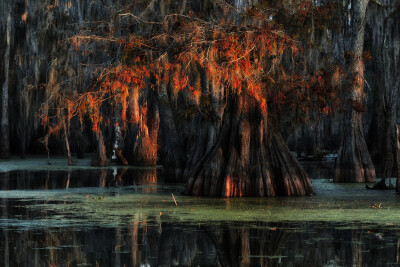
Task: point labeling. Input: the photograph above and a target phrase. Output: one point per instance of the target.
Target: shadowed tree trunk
(81, 140)
(4, 129)
(99, 158)
(67, 144)
(398, 158)
(389, 145)
(248, 158)
(383, 29)
(171, 153)
(354, 162)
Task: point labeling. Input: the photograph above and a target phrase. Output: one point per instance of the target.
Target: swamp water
(53, 215)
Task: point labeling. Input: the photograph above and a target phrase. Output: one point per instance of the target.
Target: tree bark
(398, 158)
(99, 158)
(121, 157)
(4, 129)
(249, 158)
(67, 144)
(171, 154)
(354, 162)
(382, 134)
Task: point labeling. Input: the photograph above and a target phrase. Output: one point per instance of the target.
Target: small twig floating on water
(174, 199)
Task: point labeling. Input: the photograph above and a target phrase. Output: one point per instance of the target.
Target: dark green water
(129, 218)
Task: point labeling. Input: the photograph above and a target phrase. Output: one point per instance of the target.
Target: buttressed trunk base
(354, 163)
(249, 158)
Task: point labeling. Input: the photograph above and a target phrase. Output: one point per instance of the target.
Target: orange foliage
(245, 59)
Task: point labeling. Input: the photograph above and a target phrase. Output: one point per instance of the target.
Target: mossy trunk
(248, 158)
(354, 162)
(146, 147)
(141, 140)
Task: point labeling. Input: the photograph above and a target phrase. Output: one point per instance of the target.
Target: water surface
(128, 217)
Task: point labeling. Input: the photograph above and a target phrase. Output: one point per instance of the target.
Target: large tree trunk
(389, 146)
(99, 158)
(248, 158)
(4, 124)
(384, 29)
(354, 162)
(171, 154)
(382, 137)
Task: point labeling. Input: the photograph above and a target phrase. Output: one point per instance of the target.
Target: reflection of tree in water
(356, 248)
(147, 241)
(4, 214)
(153, 244)
(128, 177)
(186, 248)
(233, 245)
(136, 177)
(282, 244)
(260, 246)
(323, 244)
(47, 180)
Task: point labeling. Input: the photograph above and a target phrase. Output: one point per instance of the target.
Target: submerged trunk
(4, 129)
(354, 162)
(248, 158)
(99, 158)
